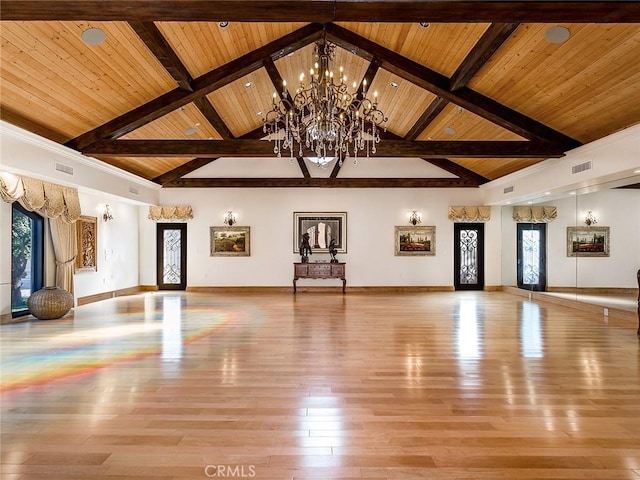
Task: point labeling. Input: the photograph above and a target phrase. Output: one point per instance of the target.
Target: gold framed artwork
(587, 241)
(230, 241)
(415, 241)
(87, 244)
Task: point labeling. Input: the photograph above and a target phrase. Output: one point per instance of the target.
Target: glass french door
(532, 258)
(468, 256)
(27, 257)
(171, 266)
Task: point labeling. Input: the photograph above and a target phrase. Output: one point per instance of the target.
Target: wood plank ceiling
(477, 91)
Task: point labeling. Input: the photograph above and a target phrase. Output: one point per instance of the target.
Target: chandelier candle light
(324, 116)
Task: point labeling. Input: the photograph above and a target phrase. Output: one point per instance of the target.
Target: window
(27, 258)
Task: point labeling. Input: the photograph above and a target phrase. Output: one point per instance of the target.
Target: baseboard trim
(320, 289)
(113, 294)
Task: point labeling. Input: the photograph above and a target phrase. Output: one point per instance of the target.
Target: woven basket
(50, 303)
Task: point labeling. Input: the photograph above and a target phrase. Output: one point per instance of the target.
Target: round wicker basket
(50, 303)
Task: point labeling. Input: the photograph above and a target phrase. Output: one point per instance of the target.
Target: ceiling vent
(64, 168)
(583, 167)
(508, 190)
(134, 191)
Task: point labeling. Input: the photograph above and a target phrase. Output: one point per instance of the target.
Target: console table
(319, 270)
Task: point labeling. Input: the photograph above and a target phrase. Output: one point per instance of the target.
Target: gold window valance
(166, 212)
(50, 199)
(535, 214)
(479, 213)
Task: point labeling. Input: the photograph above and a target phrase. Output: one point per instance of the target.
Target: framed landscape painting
(322, 227)
(415, 241)
(230, 241)
(587, 241)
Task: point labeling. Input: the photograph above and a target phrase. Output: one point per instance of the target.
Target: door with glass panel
(468, 256)
(532, 258)
(171, 267)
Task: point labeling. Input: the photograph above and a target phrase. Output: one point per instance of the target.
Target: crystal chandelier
(324, 116)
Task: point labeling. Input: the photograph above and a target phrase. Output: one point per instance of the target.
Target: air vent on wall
(581, 168)
(64, 168)
(508, 189)
(134, 191)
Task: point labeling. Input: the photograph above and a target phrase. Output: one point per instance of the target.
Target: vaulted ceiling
(175, 97)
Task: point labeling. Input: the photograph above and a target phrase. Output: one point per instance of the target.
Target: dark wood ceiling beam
(303, 167)
(182, 170)
(158, 45)
(274, 75)
(491, 40)
(439, 84)
(213, 117)
(202, 85)
(321, 183)
(456, 169)
(429, 115)
(457, 11)
(261, 148)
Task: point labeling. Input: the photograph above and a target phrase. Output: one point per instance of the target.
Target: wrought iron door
(171, 268)
(468, 257)
(532, 256)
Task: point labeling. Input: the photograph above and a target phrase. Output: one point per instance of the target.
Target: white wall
(117, 247)
(371, 217)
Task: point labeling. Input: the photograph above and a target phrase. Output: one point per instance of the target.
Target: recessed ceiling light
(450, 130)
(93, 36)
(557, 34)
(425, 24)
(547, 193)
(190, 131)
(259, 113)
(393, 85)
(636, 171)
(529, 203)
(572, 193)
(223, 24)
(248, 85)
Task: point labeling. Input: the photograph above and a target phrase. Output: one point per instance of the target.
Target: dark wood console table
(319, 270)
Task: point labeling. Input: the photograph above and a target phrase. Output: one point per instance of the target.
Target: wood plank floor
(465, 385)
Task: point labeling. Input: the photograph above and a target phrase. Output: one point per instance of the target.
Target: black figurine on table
(305, 248)
(333, 251)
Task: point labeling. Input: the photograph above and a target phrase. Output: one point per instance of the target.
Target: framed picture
(415, 241)
(322, 227)
(587, 241)
(230, 241)
(87, 244)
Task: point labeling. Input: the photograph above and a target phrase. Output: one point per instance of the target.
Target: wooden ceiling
(480, 92)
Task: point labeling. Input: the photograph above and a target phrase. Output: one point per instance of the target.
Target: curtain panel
(534, 214)
(61, 205)
(178, 212)
(480, 213)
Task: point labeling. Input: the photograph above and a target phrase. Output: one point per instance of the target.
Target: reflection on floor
(441, 385)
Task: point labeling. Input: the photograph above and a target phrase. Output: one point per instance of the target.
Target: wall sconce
(229, 218)
(414, 218)
(107, 215)
(590, 219)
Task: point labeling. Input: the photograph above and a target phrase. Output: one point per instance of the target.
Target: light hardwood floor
(462, 385)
